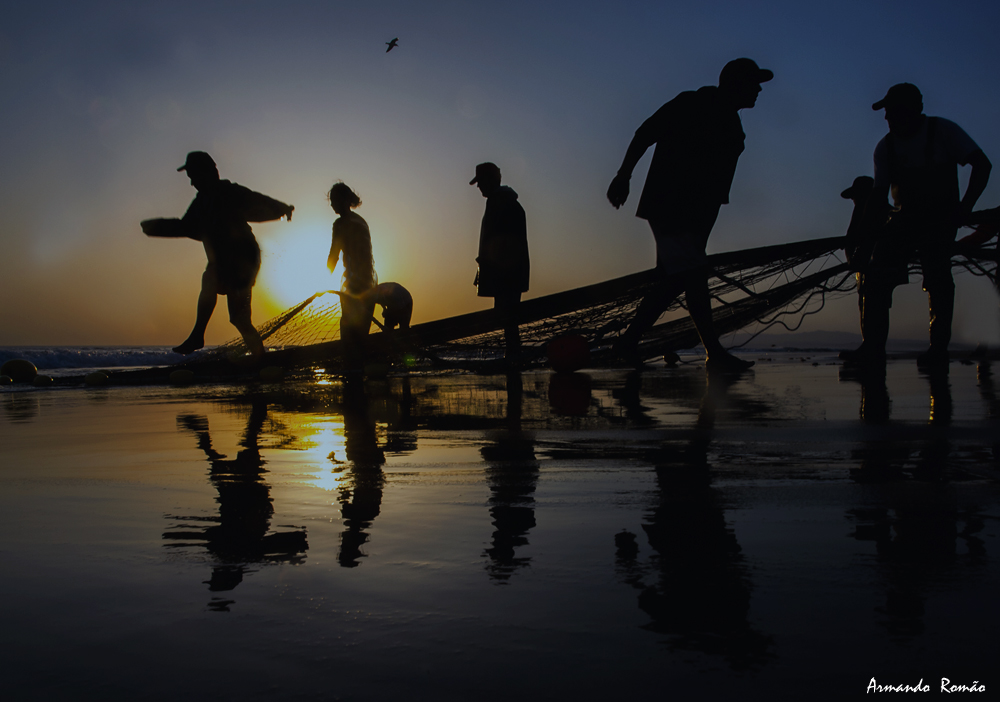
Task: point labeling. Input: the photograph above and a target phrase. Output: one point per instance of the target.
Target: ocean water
(75, 360)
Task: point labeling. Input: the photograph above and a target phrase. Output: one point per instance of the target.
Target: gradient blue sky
(104, 99)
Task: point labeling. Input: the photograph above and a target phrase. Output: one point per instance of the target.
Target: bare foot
(189, 346)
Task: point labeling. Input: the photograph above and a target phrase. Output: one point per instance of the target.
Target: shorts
(681, 242)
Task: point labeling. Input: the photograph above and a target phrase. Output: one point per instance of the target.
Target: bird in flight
(392, 44)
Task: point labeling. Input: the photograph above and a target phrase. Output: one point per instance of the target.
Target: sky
(102, 100)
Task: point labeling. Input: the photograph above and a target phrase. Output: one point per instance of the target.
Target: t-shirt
(218, 218)
(951, 146)
(698, 143)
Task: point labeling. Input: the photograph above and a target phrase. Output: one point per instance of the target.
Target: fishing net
(753, 289)
(313, 321)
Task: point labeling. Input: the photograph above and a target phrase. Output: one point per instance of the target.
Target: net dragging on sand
(313, 321)
(752, 289)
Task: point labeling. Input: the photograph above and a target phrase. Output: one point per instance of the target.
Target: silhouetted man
(918, 159)
(699, 139)
(879, 270)
(218, 218)
(503, 252)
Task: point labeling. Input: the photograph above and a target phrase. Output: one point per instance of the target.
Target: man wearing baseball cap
(218, 217)
(699, 139)
(878, 272)
(504, 267)
(918, 162)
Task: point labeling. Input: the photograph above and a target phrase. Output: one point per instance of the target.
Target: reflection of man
(504, 267)
(918, 160)
(218, 218)
(699, 139)
(241, 533)
(361, 495)
(701, 593)
(512, 474)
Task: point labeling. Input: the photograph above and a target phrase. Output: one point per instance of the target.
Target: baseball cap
(197, 160)
(485, 169)
(862, 186)
(901, 94)
(743, 70)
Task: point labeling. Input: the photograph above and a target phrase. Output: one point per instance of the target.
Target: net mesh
(313, 321)
(753, 290)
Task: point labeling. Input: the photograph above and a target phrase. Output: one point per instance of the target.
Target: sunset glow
(105, 104)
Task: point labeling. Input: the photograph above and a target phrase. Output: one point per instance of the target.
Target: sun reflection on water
(323, 449)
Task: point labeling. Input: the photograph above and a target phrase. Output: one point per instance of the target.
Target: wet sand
(796, 531)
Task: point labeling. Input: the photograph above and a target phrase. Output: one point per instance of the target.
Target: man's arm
(978, 179)
(335, 248)
(261, 208)
(172, 228)
(645, 136)
(618, 190)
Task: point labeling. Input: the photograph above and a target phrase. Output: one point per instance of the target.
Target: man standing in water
(503, 252)
(699, 139)
(918, 160)
(218, 218)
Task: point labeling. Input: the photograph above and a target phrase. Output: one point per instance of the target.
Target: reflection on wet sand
(482, 514)
(361, 492)
(241, 534)
(912, 517)
(512, 474)
(988, 392)
(20, 406)
(700, 596)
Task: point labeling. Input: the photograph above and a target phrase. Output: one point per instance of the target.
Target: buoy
(42, 380)
(19, 370)
(568, 353)
(182, 377)
(272, 374)
(6, 380)
(96, 378)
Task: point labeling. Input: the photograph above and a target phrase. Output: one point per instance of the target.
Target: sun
(293, 266)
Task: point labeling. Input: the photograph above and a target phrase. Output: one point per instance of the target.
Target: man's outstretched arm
(261, 208)
(168, 228)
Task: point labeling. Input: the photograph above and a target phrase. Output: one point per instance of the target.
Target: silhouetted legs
(935, 263)
(206, 306)
(694, 285)
(355, 321)
(506, 305)
(681, 266)
(874, 301)
(239, 315)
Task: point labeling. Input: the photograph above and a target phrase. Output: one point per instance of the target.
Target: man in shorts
(699, 139)
(218, 218)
